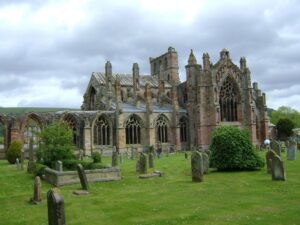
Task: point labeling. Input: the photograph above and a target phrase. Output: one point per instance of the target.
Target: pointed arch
(92, 98)
(229, 98)
(162, 126)
(102, 130)
(31, 127)
(183, 126)
(73, 123)
(133, 127)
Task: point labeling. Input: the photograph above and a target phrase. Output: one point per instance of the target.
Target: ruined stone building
(135, 110)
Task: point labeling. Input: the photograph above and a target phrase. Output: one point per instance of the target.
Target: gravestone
(283, 146)
(37, 190)
(114, 159)
(291, 150)
(143, 163)
(137, 165)
(22, 159)
(276, 147)
(18, 164)
(269, 157)
(278, 172)
(151, 160)
(59, 166)
(132, 153)
(31, 163)
(82, 177)
(197, 166)
(205, 163)
(80, 155)
(56, 208)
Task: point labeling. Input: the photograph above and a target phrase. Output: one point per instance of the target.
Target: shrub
(14, 151)
(96, 157)
(56, 144)
(231, 149)
(39, 169)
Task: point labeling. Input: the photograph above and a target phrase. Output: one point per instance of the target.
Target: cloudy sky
(48, 49)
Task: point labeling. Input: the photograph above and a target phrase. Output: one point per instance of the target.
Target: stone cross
(269, 157)
(56, 208)
(197, 166)
(59, 166)
(114, 159)
(278, 172)
(82, 177)
(151, 160)
(143, 163)
(18, 164)
(205, 159)
(37, 190)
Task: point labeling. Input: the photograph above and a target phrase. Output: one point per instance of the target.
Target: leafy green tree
(14, 151)
(285, 128)
(56, 144)
(285, 112)
(231, 149)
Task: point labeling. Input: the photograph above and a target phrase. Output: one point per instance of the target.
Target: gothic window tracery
(101, 132)
(71, 121)
(162, 129)
(228, 100)
(133, 130)
(183, 129)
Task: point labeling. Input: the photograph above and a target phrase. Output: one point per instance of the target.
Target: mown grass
(223, 198)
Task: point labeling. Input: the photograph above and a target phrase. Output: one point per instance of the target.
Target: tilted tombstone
(82, 177)
(114, 159)
(197, 166)
(31, 163)
(278, 172)
(143, 163)
(291, 150)
(37, 190)
(56, 208)
(59, 166)
(205, 163)
(269, 157)
(151, 160)
(18, 164)
(276, 147)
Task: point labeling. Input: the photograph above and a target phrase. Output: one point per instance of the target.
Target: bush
(56, 144)
(96, 157)
(231, 149)
(14, 151)
(39, 169)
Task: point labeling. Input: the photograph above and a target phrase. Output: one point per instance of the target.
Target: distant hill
(22, 110)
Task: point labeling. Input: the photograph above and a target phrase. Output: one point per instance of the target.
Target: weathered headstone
(80, 154)
(114, 159)
(205, 163)
(143, 163)
(269, 157)
(18, 164)
(37, 191)
(59, 166)
(151, 160)
(56, 208)
(31, 163)
(197, 166)
(137, 165)
(276, 147)
(278, 172)
(132, 153)
(82, 177)
(291, 150)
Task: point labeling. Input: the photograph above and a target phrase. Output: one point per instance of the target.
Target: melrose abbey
(137, 111)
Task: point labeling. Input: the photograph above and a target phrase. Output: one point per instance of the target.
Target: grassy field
(223, 198)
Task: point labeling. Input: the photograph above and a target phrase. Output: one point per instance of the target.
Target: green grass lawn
(223, 198)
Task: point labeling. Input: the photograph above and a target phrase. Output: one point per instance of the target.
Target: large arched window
(32, 130)
(183, 129)
(101, 132)
(133, 130)
(228, 100)
(92, 102)
(162, 129)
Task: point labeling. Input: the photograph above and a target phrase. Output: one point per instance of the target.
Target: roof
(127, 80)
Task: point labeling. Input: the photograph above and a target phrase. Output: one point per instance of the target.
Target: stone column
(87, 138)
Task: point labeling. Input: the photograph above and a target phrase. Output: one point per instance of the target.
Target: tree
(231, 149)
(14, 151)
(56, 144)
(285, 128)
(286, 112)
